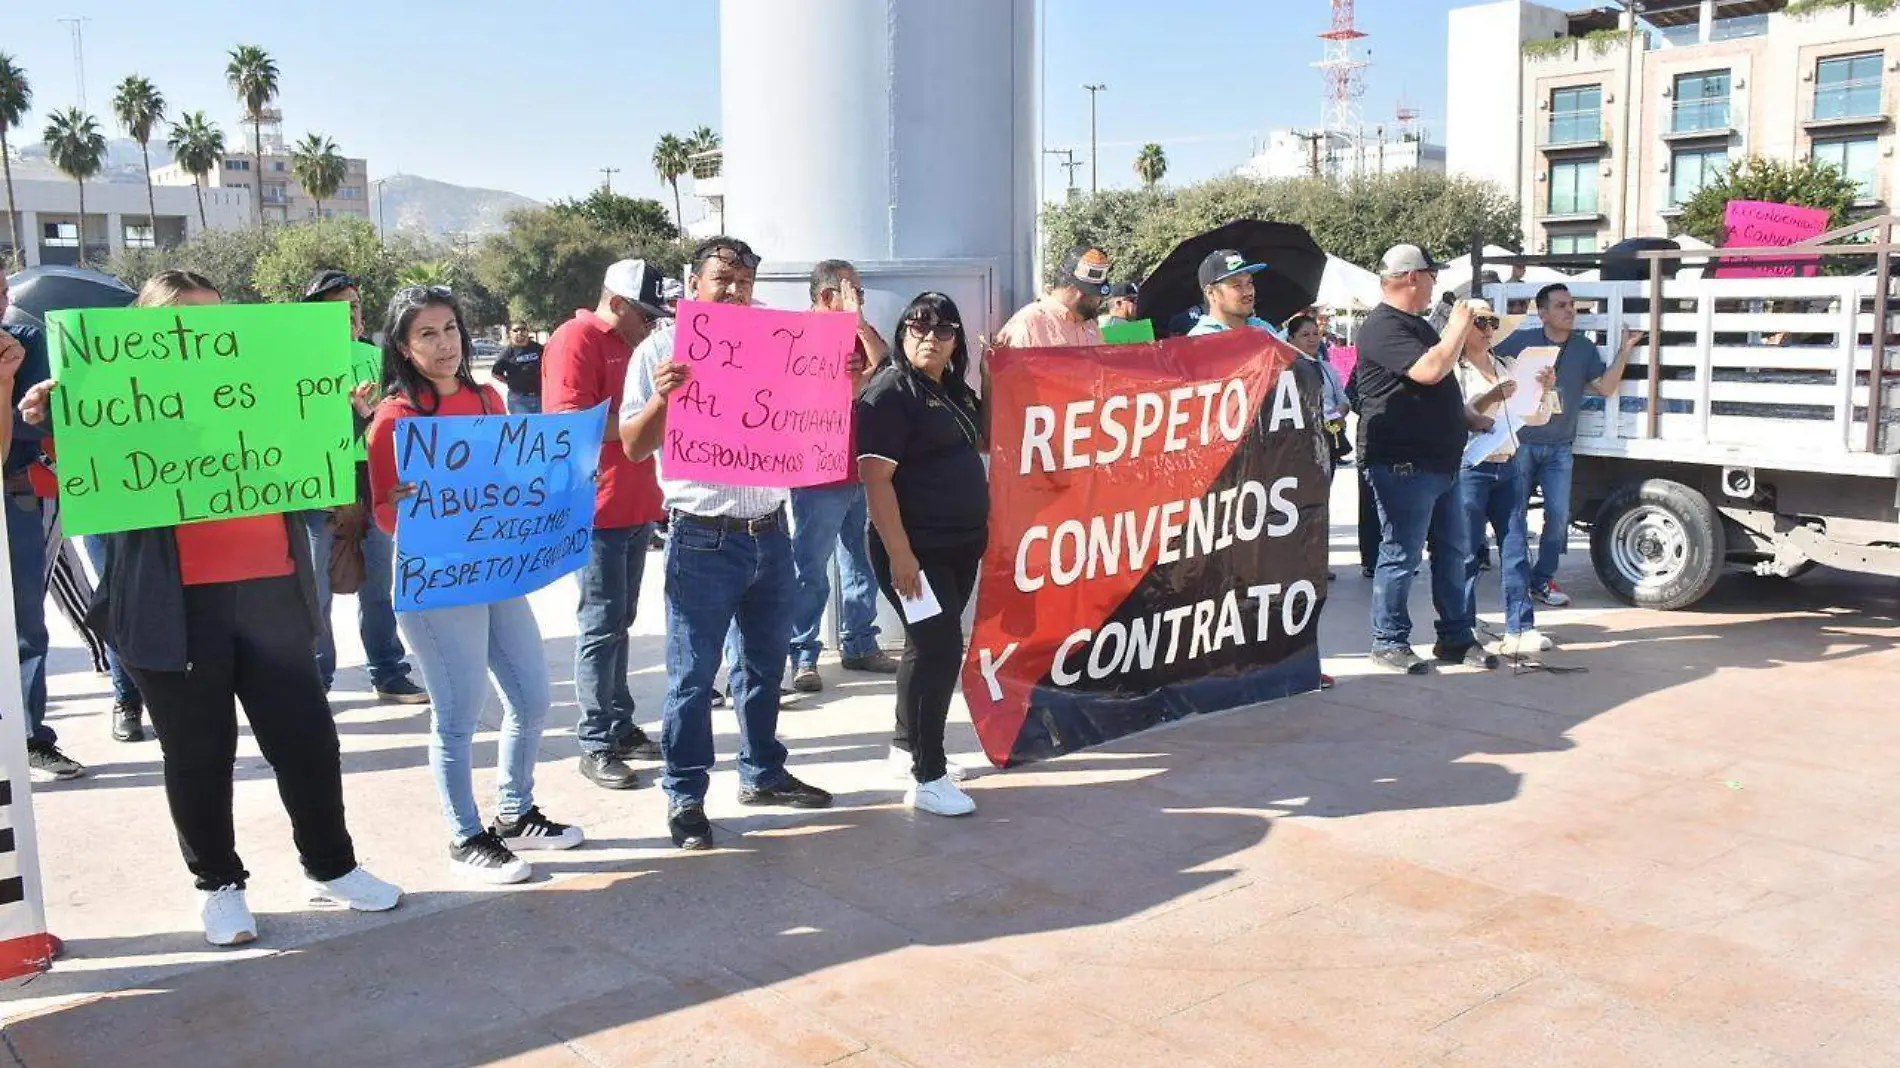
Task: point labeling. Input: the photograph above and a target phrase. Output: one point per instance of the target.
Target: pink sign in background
(769, 400)
(1761, 224)
(1342, 357)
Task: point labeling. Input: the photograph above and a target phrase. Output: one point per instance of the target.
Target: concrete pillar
(30, 229)
(115, 231)
(1707, 26)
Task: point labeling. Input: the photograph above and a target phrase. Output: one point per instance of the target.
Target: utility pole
(609, 172)
(1095, 170)
(1068, 164)
(78, 27)
(378, 183)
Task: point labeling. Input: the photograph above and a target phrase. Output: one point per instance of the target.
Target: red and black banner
(1157, 542)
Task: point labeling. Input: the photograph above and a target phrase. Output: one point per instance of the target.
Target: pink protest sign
(769, 400)
(1760, 224)
(1342, 357)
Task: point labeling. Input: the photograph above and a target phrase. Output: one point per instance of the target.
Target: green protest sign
(1129, 333)
(366, 365)
(179, 415)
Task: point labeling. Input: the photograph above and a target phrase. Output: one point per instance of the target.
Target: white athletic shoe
(900, 767)
(940, 797)
(227, 919)
(1523, 643)
(357, 890)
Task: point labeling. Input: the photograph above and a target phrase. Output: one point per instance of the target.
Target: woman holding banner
(426, 361)
(920, 452)
(207, 616)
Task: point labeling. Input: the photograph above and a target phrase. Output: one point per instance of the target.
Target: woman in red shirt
(208, 616)
(426, 358)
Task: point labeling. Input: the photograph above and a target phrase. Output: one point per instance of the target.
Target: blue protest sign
(504, 504)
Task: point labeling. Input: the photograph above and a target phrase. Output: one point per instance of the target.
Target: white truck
(1758, 426)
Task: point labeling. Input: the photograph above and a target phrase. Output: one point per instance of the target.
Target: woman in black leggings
(920, 452)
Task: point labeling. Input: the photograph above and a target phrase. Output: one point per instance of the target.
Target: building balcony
(1576, 132)
(1847, 105)
(1570, 214)
(1691, 120)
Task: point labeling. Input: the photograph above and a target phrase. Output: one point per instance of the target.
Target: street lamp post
(1094, 152)
(378, 183)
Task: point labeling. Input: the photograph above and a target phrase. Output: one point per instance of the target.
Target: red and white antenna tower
(1345, 85)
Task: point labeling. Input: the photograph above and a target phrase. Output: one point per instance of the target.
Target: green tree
(318, 167)
(198, 146)
(1151, 165)
(78, 149)
(140, 108)
(670, 162)
(548, 262)
(227, 257)
(16, 95)
(252, 75)
(1809, 183)
(617, 214)
(345, 243)
(1107, 220)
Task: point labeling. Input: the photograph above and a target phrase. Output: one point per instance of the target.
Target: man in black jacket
(519, 368)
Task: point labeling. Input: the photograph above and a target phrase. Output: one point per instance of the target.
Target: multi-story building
(1605, 123)
(1300, 154)
(283, 199)
(117, 216)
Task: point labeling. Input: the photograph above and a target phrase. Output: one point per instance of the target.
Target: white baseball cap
(634, 280)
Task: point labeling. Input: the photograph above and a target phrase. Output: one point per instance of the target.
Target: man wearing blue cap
(1227, 283)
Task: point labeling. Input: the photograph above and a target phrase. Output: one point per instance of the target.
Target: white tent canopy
(1457, 273)
(1345, 286)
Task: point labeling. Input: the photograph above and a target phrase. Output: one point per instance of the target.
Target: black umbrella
(1290, 283)
(1621, 264)
(38, 290)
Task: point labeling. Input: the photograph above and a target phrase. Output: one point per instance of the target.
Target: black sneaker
(637, 746)
(608, 771)
(1402, 660)
(689, 826)
(789, 791)
(402, 691)
(486, 859)
(532, 830)
(878, 663)
(45, 758)
(128, 721)
(806, 679)
(1472, 655)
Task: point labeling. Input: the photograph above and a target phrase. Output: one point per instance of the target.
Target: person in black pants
(920, 452)
(1368, 508)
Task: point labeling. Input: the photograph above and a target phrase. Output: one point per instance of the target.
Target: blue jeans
(375, 605)
(524, 403)
(610, 593)
(1494, 496)
(716, 578)
(26, 544)
(124, 690)
(1417, 509)
(459, 649)
(1548, 467)
(825, 523)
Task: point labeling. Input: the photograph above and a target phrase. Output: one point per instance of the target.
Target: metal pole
(1882, 261)
(1615, 404)
(1095, 167)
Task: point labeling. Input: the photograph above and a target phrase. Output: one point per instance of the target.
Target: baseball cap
(1222, 264)
(326, 282)
(1404, 259)
(1123, 289)
(1085, 268)
(635, 281)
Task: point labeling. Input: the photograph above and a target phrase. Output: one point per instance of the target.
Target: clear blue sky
(483, 93)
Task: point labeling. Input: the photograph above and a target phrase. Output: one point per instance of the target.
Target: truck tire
(1658, 544)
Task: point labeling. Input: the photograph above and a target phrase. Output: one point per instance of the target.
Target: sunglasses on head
(731, 257)
(1485, 322)
(941, 331)
(419, 294)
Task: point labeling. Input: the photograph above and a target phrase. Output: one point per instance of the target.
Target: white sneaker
(940, 797)
(900, 767)
(1523, 643)
(227, 919)
(358, 890)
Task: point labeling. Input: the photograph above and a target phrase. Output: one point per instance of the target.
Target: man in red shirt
(584, 365)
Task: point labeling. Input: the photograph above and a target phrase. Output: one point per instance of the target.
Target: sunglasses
(1485, 322)
(731, 257)
(421, 294)
(940, 331)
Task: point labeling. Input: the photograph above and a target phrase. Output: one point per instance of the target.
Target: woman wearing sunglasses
(426, 360)
(1493, 489)
(920, 452)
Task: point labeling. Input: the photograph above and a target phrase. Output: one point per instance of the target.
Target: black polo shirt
(1403, 422)
(933, 436)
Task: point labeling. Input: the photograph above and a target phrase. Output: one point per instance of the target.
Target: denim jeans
(375, 604)
(459, 649)
(831, 522)
(610, 594)
(715, 578)
(524, 403)
(1494, 497)
(1548, 467)
(1417, 509)
(124, 690)
(26, 545)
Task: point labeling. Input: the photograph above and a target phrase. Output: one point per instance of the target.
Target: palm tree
(198, 146)
(78, 149)
(669, 162)
(252, 75)
(702, 140)
(15, 97)
(139, 108)
(1151, 164)
(319, 168)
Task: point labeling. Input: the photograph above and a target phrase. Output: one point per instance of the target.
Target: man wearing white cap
(584, 365)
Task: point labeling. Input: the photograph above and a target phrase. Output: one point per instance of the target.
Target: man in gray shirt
(728, 560)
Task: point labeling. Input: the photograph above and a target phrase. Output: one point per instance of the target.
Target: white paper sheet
(1530, 363)
(925, 605)
(1484, 443)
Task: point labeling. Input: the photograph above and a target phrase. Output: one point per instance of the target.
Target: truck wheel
(1658, 544)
